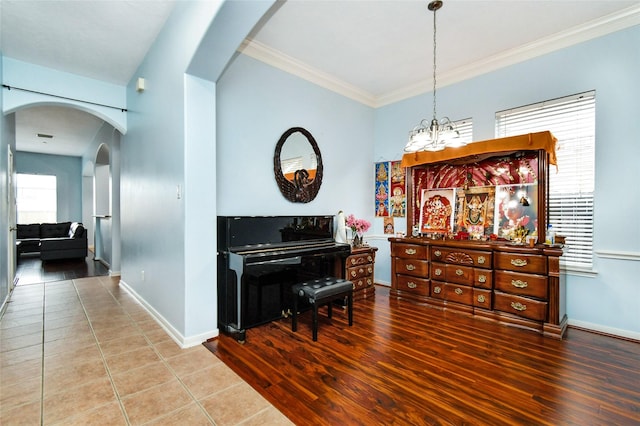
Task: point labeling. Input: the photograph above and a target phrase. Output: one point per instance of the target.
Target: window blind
(571, 119)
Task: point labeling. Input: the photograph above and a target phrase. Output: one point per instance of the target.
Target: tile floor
(83, 351)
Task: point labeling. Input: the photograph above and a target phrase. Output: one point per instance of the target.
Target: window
(465, 129)
(572, 120)
(36, 199)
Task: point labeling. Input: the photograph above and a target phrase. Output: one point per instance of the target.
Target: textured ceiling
(375, 51)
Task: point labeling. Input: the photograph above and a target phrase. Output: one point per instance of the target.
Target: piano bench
(321, 292)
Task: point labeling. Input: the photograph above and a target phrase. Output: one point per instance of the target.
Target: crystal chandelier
(434, 134)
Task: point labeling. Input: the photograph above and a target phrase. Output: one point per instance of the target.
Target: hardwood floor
(411, 365)
(31, 270)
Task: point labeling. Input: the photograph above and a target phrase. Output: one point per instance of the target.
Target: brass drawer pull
(481, 260)
(437, 253)
(354, 274)
(481, 298)
(410, 267)
(518, 262)
(519, 283)
(369, 258)
(458, 291)
(459, 272)
(437, 290)
(407, 251)
(482, 278)
(518, 306)
(411, 284)
(438, 272)
(370, 270)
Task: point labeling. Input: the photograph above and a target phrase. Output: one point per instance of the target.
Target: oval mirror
(298, 165)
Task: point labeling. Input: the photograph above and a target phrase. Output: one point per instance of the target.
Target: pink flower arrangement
(358, 226)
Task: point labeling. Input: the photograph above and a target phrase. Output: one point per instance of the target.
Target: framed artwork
(516, 206)
(382, 189)
(436, 211)
(475, 211)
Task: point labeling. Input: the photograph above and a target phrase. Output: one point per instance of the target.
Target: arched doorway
(102, 207)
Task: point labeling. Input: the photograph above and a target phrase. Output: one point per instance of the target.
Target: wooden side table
(359, 269)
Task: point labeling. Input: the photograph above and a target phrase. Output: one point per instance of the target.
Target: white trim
(286, 63)
(604, 329)
(618, 255)
(183, 342)
(572, 36)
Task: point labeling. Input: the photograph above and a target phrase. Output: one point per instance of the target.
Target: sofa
(64, 240)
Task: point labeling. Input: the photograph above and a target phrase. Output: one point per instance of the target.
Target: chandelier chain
(434, 64)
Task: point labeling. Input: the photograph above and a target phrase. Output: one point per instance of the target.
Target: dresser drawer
(458, 293)
(356, 272)
(361, 283)
(414, 267)
(522, 284)
(437, 290)
(409, 251)
(413, 284)
(359, 259)
(461, 256)
(482, 298)
(438, 271)
(519, 262)
(521, 306)
(459, 274)
(482, 278)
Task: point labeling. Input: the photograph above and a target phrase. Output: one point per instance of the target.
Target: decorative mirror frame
(298, 191)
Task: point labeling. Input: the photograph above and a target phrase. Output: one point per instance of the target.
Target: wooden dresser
(515, 285)
(359, 268)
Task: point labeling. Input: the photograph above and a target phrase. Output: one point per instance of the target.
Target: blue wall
(256, 105)
(68, 173)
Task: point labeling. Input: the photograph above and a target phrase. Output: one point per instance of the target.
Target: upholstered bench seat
(321, 292)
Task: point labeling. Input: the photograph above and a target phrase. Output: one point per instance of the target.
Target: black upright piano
(261, 257)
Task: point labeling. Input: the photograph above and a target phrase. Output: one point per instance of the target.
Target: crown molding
(597, 28)
(279, 60)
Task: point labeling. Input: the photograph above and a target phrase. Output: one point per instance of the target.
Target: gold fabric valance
(529, 142)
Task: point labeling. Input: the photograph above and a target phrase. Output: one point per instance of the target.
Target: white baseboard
(604, 329)
(182, 341)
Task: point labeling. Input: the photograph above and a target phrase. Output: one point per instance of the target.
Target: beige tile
(64, 322)
(61, 360)
(22, 370)
(20, 392)
(73, 375)
(192, 360)
(19, 321)
(123, 344)
(27, 414)
(156, 402)
(80, 329)
(15, 312)
(110, 414)
(18, 342)
(270, 416)
(149, 325)
(73, 315)
(142, 378)
(234, 404)
(16, 356)
(169, 349)
(6, 333)
(104, 334)
(210, 380)
(158, 336)
(69, 345)
(130, 360)
(191, 415)
(71, 402)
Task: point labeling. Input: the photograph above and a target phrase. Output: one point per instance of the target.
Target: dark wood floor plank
(406, 364)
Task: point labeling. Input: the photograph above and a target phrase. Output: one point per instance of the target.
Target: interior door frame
(11, 221)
